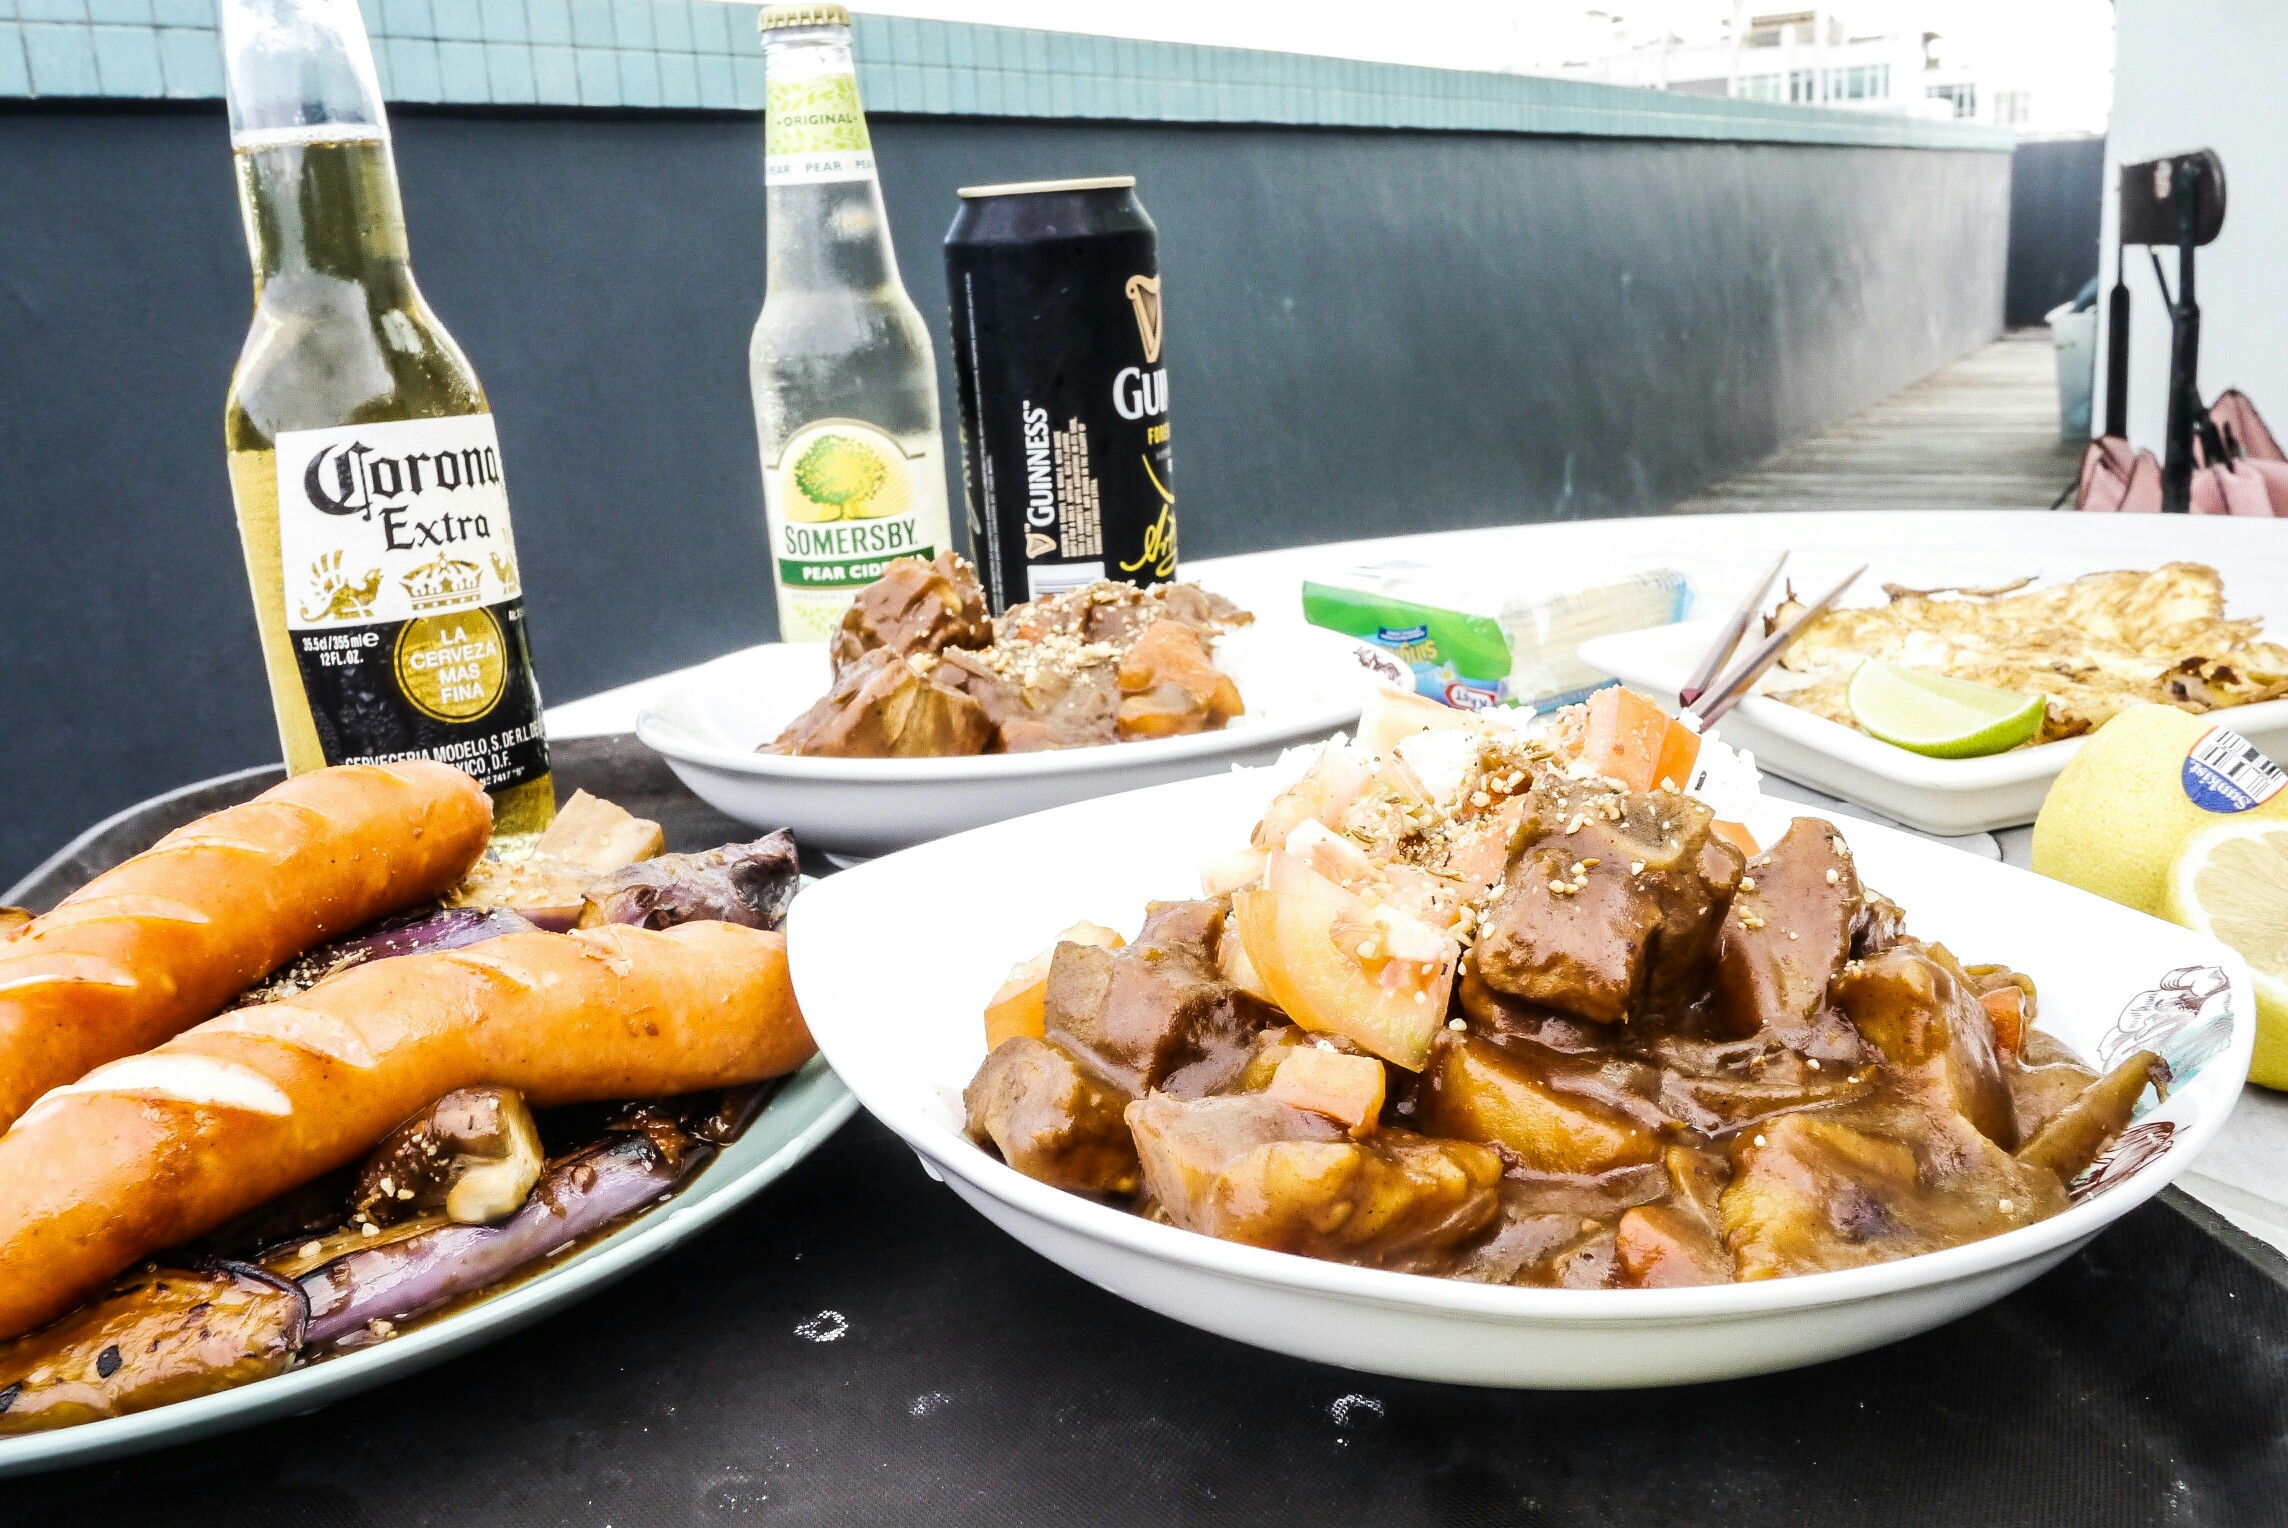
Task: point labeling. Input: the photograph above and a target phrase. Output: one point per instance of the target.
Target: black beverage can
(1055, 290)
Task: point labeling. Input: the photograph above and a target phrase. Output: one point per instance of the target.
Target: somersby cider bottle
(844, 378)
(362, 453)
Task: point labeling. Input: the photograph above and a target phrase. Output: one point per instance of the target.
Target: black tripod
(2180, 201)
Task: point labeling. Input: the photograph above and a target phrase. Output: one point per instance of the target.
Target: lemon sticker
(2225, 772)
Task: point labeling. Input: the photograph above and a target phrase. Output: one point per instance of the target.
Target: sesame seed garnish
(1812, 1062)
(1833, 875)
(1457, 1026)
(1747, 883)
(311, 1249)
(2004, 1206)
(1759, 1140)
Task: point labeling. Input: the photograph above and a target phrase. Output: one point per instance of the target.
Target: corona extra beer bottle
(363, 458)
(844, 379)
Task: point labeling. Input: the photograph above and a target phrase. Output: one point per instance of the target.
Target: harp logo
(1144, 296)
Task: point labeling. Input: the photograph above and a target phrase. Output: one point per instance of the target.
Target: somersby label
(403, 602)
(844, 504)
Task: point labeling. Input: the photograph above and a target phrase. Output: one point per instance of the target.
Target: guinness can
(1055, 289)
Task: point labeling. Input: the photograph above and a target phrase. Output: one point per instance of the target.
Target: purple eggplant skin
(416, 933)
(749, 884)
(158, 1336)
(357, 1298)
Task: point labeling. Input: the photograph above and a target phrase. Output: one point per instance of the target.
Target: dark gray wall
(2057, 194)
(1368, 332)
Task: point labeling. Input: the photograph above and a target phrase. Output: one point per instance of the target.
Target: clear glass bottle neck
(327, 209)
(823, 235)
(799, 52)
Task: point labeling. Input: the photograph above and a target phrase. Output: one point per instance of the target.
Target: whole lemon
(2119, 812)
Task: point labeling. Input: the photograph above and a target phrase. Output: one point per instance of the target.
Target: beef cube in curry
(1612, 903)
(1158, 1013)
(1248, 1168)
(1051, 1118)
(883, 706)
(1032, 711)
(1913, 1005)
(914, 607)
(1116, 1023)
(1789, 930)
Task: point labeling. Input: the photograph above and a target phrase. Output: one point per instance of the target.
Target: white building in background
(2041, 66)
(1922, 60)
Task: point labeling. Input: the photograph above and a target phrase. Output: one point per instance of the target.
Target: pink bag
(2118, 480)
(2243, 426)
(2253, 481)
(2233, 488)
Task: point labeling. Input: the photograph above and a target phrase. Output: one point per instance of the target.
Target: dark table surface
(857, 1346)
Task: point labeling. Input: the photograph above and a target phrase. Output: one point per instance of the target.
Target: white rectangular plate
(1950, 796)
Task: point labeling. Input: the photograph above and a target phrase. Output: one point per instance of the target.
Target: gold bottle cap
(772, 17)
(1037, 187)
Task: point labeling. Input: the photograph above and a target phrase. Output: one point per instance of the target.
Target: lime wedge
(1944, 718)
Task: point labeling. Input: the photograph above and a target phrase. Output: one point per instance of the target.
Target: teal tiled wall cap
(703, 55)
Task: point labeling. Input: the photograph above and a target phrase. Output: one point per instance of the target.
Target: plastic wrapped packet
(1476, 648)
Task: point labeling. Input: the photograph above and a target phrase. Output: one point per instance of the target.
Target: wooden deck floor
(1980, 434)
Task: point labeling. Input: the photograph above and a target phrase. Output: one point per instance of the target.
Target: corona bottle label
(403, 608)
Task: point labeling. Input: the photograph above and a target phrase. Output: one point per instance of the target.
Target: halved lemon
(1944, 718)
(2231, 882)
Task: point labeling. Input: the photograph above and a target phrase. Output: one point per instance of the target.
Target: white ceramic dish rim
(659, 729)
(814, 1094)
(1658, 658)
(947, 1150)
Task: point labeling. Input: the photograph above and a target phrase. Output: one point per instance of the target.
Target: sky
(2062, 49)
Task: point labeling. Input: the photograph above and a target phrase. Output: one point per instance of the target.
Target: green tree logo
(840, 474)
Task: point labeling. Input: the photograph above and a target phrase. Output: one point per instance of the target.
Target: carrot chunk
(1626, 734)
(1347, 1089)
(1019, 1007)
(1737, 835)
(2006, 1006)
(1679, 751)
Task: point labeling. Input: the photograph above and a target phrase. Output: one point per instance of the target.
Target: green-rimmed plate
(810, 1107)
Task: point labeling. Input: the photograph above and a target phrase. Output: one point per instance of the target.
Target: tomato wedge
(1303, 935)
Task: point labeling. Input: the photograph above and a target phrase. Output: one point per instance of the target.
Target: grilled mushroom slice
(474, 1154)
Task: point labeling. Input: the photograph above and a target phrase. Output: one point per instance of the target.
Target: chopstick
(1736, 685)
(1729, 637)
